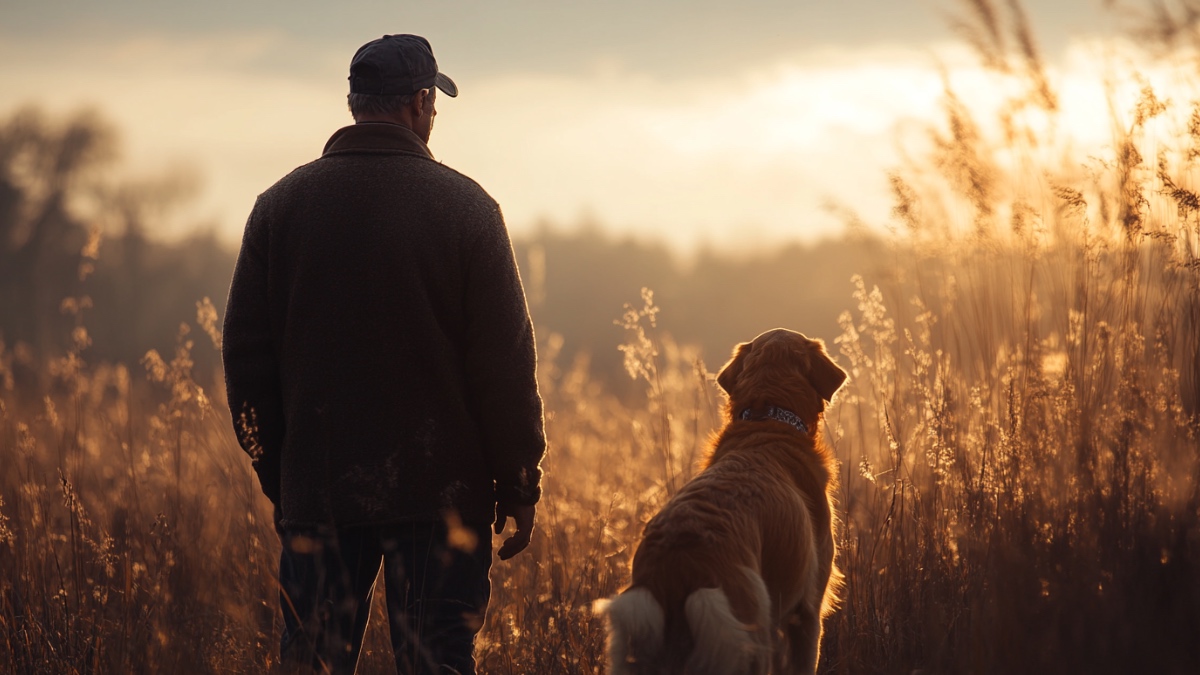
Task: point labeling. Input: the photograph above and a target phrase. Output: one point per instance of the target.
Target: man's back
(383, 267)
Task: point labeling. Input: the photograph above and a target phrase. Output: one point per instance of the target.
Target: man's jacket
(379, 357)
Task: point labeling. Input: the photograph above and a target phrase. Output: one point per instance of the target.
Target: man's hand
(523, 518)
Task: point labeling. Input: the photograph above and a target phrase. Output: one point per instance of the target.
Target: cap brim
(446, 85)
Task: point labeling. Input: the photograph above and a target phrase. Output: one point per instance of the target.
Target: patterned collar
(779, 414)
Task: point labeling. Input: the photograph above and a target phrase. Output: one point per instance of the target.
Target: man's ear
(824, 375)
(733, 369)
(420, 100)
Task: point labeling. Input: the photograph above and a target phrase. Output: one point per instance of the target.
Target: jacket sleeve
(251, 363)
(501, 366)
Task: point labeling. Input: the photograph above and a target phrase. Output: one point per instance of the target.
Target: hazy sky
(691, 121)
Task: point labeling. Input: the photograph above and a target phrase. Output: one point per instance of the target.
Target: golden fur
(736, 573)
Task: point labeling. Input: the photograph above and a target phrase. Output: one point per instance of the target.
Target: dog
(735, 575)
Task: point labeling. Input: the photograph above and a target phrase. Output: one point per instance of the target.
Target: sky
(698, 122)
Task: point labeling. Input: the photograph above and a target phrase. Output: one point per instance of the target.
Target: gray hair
(372, 104)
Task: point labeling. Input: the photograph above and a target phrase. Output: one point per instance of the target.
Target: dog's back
(698, 602)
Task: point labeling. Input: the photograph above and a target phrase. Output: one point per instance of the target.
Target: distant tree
(45, 170)
(61, 189)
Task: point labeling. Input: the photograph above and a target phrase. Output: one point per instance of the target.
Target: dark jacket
(379, 357)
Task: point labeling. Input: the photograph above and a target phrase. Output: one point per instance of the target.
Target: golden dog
(736, 573)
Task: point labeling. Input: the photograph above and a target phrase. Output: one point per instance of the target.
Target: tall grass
(1020, 464)
(1020, 460)
(134, 540)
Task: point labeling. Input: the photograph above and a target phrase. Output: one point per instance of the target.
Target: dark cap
(397, 65)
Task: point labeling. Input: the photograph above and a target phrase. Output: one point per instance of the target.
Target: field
(1020, 460)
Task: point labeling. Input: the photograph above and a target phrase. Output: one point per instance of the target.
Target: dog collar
(778, 414)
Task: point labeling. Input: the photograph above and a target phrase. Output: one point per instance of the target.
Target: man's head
(393, 79)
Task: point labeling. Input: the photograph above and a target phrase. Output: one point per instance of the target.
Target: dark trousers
(436, 585)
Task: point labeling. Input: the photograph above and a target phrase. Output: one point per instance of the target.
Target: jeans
(436, 584)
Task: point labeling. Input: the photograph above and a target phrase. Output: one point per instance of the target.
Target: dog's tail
(723, 644)
(635, 630)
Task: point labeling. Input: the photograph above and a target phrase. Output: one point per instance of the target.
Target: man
(379, 362)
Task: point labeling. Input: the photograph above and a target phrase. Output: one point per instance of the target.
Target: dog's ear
(733, 369)
(825, 375)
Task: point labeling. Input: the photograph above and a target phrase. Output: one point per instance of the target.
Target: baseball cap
(397, 65)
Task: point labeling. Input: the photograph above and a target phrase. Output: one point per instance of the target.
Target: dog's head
(781, 367)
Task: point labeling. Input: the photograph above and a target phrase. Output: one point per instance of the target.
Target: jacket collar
(376, 138)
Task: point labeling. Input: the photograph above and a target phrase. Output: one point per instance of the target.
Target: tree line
(78, 247)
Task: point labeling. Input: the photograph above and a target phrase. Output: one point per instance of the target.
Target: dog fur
(736, 573)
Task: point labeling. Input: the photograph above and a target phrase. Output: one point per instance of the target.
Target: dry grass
(1019, 447)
